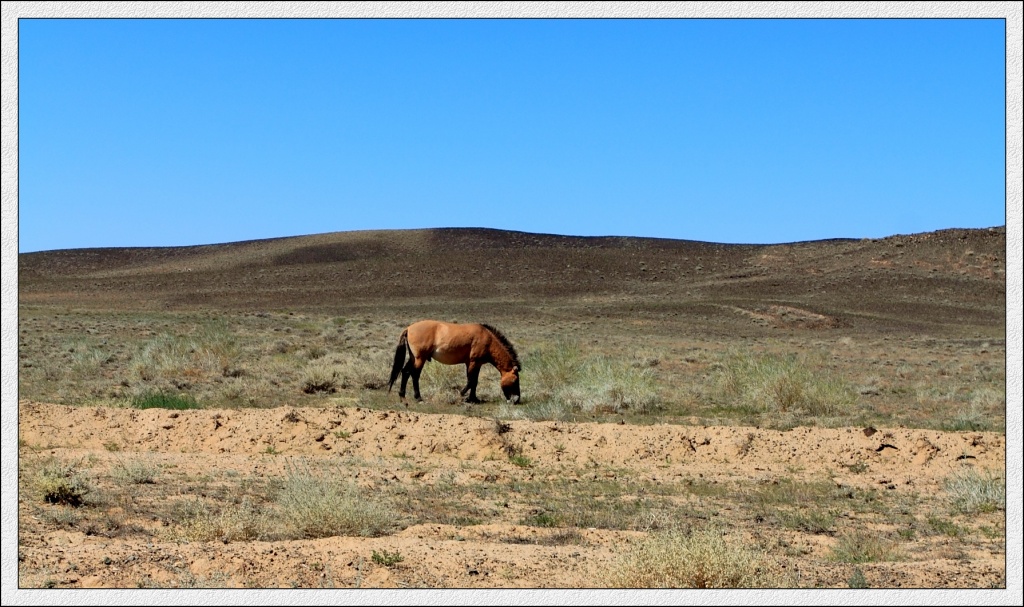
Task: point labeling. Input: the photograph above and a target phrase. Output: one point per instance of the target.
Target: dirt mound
(912, 457)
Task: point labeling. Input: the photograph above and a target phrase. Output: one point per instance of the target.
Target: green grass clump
(701, 559)
(520, 460)
(387, 559)
(156, 399)
(972, 492)
(317, 505)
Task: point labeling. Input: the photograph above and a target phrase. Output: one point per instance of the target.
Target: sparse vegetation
(62, 517)
(568, 382)
(945, 526)
(253, 361)
(205, 521)
(858, 467)
(857, 579)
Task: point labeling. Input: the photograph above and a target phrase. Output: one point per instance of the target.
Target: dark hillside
(948, 281)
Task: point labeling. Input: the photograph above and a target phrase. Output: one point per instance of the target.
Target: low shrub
(61, 482)
(320, 378)
(387, 559)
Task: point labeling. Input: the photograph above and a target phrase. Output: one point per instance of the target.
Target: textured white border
(12, 11)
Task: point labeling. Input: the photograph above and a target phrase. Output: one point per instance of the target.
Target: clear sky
(179, 132)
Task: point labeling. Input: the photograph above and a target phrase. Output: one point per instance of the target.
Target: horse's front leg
(472, 375)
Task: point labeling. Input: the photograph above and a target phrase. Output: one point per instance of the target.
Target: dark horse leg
(472, 375)
(411, 369)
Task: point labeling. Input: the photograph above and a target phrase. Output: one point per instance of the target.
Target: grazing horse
(454, 344)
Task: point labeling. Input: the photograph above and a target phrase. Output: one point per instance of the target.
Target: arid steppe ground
(827, 414)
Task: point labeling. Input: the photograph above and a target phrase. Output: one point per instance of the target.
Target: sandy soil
(383, 448)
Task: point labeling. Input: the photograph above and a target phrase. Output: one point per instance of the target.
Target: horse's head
(510, 384)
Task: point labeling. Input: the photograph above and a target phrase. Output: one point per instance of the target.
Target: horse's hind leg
(409, 370)
(413, 368)
(405, 380)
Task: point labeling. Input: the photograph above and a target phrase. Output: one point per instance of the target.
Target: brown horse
(454, 344)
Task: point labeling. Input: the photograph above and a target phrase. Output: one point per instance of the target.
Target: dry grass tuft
(202, 521)
(701, 559)
(566, 381)
(771, 384)
(864, 547)
(971, 491)
(134, 472)
(317, 505)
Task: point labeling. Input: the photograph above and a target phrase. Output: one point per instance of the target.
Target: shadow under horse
(454, 344)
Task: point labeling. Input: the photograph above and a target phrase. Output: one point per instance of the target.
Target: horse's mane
(505, 342)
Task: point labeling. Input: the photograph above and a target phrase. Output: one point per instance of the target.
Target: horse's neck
(501, 358)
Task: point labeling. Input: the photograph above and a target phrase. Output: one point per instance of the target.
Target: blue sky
(180, 132)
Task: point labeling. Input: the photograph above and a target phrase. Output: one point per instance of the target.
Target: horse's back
(446, 342)
(440, 330)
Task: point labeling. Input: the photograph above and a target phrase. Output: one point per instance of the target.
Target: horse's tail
(403, 345)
